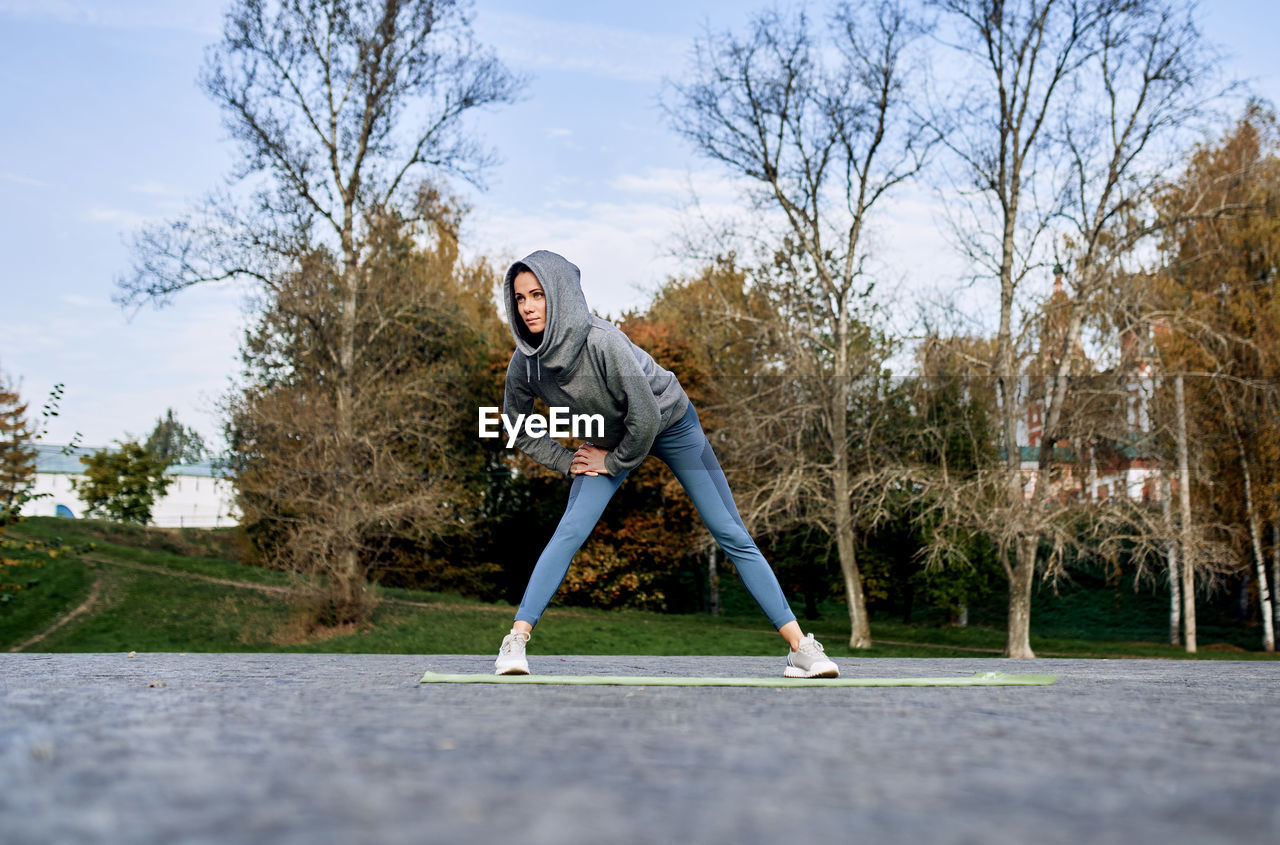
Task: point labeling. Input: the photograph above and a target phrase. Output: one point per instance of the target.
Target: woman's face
(531, 301)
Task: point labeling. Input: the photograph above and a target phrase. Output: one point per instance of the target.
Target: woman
(569, 358)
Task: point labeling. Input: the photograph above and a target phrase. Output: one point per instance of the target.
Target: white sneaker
(511, 659)
(810, 661)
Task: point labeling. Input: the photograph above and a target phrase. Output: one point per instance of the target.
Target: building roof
(61, 459)
(65, 460)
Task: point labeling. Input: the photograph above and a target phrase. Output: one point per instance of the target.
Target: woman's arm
(643, 418)
(518, 399)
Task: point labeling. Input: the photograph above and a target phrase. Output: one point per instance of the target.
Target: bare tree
(340, 110)
(819, 146)
(1061, 128)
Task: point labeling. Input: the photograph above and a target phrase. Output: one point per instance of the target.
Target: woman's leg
(587, 499)
(685, 448)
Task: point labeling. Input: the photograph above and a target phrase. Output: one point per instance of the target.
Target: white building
(199, 497)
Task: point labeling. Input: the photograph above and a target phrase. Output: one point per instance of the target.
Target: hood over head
(568, 318)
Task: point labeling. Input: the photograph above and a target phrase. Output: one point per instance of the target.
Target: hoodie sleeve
(518, 399)
(643, 418)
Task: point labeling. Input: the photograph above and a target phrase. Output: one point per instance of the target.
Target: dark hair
(516, 269)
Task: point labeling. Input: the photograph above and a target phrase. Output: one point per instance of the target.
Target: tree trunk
(1275, 570)
(346, 589)
(1175, 593)
(1259, 562)
(1184, 495)
(1018, 638)
(859, 625)
(1021, 573)
(713, 582)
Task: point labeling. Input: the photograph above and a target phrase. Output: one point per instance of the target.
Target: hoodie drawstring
(538, 362)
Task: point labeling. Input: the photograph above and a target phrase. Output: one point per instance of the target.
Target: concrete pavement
(349, 748)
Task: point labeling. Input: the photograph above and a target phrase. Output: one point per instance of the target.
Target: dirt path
(276, 590)
(95, 592)
(270, 589)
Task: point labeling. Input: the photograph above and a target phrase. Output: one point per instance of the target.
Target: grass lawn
(180, 590)
(49, 590)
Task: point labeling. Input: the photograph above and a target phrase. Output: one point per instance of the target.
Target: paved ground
(329, 748)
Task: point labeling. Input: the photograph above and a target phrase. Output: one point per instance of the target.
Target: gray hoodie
(589, 366)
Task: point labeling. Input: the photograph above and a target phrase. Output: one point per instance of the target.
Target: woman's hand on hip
(589, 460)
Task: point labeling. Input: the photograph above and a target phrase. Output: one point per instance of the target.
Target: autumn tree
(642, 548)
(1220, 316)
(17, 473)
(17, 456)
(722, 322)
(29, 551)
(421, 357)
(814, 119)
(1058, 126)
(341, 111)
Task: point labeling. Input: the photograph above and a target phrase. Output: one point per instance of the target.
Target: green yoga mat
(978, 679)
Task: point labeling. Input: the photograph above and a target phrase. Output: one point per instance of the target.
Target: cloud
(653, 181)
(167, 199)
(611, 51)
(152, 188)
(200, 18)
(617, 248)
(77, 301)
(679, 186)
(624, 246)
(121, 373)
(120, 217)
(22, 180)
(628, 246)
(559, 133)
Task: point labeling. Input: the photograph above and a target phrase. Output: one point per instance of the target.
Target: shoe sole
(513, 670)
(797, 672)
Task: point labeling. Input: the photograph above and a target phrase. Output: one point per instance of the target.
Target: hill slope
(178, 590)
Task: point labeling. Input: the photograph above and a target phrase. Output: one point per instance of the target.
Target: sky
(103, 128)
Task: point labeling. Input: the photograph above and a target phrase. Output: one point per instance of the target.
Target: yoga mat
(978, 679)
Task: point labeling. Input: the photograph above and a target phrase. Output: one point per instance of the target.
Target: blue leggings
(684, 448)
